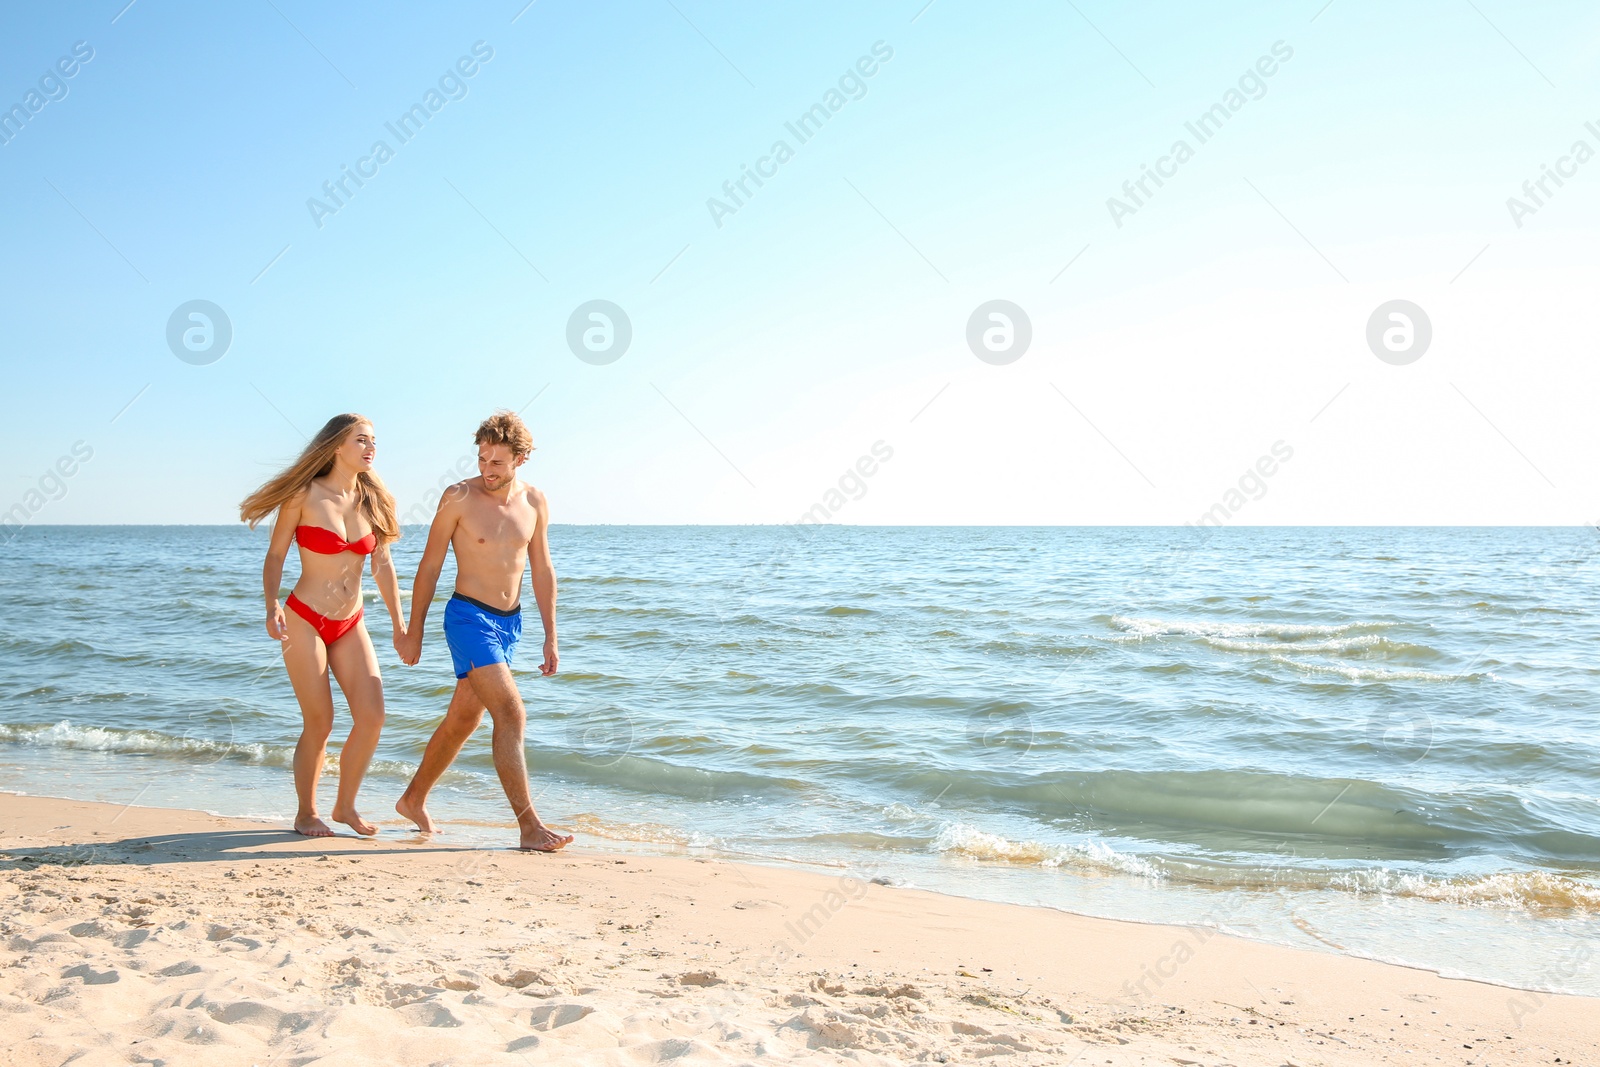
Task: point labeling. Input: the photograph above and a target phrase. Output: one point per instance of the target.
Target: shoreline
(1499, 941)
(201, 925)
(649, 851)
(1208, 922)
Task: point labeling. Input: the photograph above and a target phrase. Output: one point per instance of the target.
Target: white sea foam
(103, 739)
(642, 832)
(1372, 674)
(1333, 646)
(963, 839)
(1520, 890)
(1281, 642)
(65, 734)
(1142, 628)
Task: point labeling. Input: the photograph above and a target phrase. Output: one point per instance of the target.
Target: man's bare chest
(497, 528)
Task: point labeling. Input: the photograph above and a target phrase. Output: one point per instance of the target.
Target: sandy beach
(140, 935)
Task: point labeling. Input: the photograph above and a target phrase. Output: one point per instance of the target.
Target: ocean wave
(611, 580)
(1368, 645)
(609, 754)
(201, 750)
(1305, 647)
(38, 693)
(1278, 631)
(1539, 891)
(664, 611)
(1256, 811)
(967, 841)
(137, 742)
(1043, 647)
(27, 646)
(1377, 674)
(1542, 892)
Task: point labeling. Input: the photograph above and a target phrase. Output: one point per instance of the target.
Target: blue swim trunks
(479, 635)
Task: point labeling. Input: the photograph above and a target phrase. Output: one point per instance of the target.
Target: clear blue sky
(1227, 314)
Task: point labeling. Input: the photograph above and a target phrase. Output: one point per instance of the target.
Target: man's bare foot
(311, 826)
(350, 818)
(417, 813)
(544, 839)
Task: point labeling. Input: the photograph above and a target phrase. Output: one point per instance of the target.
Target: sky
(822, 343)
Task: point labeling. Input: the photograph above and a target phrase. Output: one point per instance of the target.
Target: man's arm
(283, 525)
(543, 572)
(427, 579)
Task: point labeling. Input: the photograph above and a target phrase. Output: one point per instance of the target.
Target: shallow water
(1379, 741)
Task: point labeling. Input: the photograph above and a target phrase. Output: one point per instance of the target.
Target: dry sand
(139, 935)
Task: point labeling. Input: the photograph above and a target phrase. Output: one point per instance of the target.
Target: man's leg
(460, 720)
(498, 692)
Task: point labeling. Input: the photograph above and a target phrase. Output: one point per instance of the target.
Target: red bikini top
(327, 543)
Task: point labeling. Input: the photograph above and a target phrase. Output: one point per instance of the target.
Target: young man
(495, 524)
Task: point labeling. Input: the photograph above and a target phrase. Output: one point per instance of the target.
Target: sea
(1380, 742)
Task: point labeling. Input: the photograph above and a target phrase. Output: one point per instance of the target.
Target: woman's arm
(388, 587)
(272, 570)
(428, 569)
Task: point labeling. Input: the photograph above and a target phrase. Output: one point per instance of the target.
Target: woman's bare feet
(350, 818)
(311, 826)
(417, 813)
(543, 839)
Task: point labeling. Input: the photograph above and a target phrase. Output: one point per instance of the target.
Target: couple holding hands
(332, 503)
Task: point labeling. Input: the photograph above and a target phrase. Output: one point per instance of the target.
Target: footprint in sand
(555, 1016)
(90, 976)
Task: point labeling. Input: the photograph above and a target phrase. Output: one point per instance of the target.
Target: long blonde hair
(376, 502)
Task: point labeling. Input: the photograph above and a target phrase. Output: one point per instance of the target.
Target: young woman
(335, 506)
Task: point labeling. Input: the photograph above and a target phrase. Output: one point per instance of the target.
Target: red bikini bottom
(330, 630)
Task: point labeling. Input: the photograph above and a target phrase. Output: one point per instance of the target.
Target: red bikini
(327, 543)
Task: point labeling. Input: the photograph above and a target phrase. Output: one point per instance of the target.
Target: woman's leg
(307, 663)
(355, 665)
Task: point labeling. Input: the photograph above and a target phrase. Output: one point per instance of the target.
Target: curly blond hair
(505, 428)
